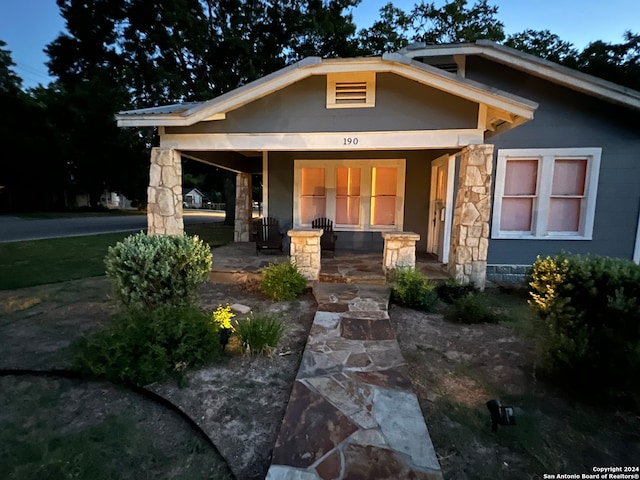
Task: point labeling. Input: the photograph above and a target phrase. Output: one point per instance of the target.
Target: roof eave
(539, 67)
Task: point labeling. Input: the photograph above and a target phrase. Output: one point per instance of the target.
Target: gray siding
(401, 104)
(569, 119)
(418, 171)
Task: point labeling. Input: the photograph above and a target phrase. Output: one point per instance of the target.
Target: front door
(441, 207)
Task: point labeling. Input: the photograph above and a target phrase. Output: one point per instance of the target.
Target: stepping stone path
(352, 413)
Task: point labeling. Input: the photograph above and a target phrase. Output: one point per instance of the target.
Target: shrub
(259, 334)
(282, 281)
(451, 290)
(146, 346)
(589, 310)
(474, 307)
(152, 270)
(222, 317)
(412, 289)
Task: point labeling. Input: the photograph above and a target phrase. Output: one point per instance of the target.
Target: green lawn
(36, 262)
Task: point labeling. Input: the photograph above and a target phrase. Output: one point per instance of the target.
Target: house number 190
(350, 141)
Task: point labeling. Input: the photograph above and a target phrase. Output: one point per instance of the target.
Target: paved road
(14, 229)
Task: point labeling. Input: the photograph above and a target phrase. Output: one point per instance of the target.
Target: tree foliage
(543, 44)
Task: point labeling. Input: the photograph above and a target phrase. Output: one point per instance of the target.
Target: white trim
(449, 161)
(365, 194)
(325, 141)
(265, 183)
(546, 158)
(448, 219)
(636, 248)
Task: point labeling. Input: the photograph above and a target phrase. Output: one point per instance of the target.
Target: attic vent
(351, 90)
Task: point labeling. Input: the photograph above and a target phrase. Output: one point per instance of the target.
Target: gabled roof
(517, 108)
(188, 190)
(553, 72)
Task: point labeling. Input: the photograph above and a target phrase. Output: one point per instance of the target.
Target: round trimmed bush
(152, 270)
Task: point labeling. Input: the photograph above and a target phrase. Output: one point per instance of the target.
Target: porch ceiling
(238, 162)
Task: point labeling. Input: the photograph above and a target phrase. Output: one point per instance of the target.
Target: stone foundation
(164, 195)
(470, 229)
(508, 273)
(305, 251)
(242, 225)
(399, 250)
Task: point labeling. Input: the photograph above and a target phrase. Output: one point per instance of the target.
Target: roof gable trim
(389, 63)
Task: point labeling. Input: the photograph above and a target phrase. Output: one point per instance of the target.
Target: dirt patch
(456, 368)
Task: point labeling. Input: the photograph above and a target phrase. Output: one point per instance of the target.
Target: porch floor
(238, 261)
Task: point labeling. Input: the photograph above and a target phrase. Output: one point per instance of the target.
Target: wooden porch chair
(268, 235)
(328, 238)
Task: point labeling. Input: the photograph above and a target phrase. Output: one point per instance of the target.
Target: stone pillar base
(399, 250)
(305, 251)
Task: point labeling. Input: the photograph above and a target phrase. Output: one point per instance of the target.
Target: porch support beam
(164, 195)
(470, 229)
(242, 225)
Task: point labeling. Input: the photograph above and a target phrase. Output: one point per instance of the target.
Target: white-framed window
(351, 90)
(546, 193)
(366, 195)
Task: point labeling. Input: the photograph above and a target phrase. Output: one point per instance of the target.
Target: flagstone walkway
(352, 413)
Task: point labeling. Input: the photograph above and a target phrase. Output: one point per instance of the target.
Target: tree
(10, 82)
(619, 63)
(33, 176)
(544, 44)
(389, 34)
(454, 22)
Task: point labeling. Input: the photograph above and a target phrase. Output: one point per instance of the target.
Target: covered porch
(239, 262)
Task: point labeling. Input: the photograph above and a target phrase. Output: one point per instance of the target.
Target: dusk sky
(28, 25)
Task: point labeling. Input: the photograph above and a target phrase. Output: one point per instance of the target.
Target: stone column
(470, 229)
(399, 250)
(164, 195)
(242, 225)
(305, 251)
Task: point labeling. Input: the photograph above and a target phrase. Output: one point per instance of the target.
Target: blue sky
(28, 25)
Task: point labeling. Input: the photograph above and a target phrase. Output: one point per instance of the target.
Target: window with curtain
(546, 193)
(348, 195)
(355, 194)
(313, 194)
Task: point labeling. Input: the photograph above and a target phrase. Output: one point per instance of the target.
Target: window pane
(569, 177)
(516, 214)
(310, 208)
(383, 210)
(384, 181)
(521, 177)
(564, 215)
(312, 181)
(347, 181)
(348, 210)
